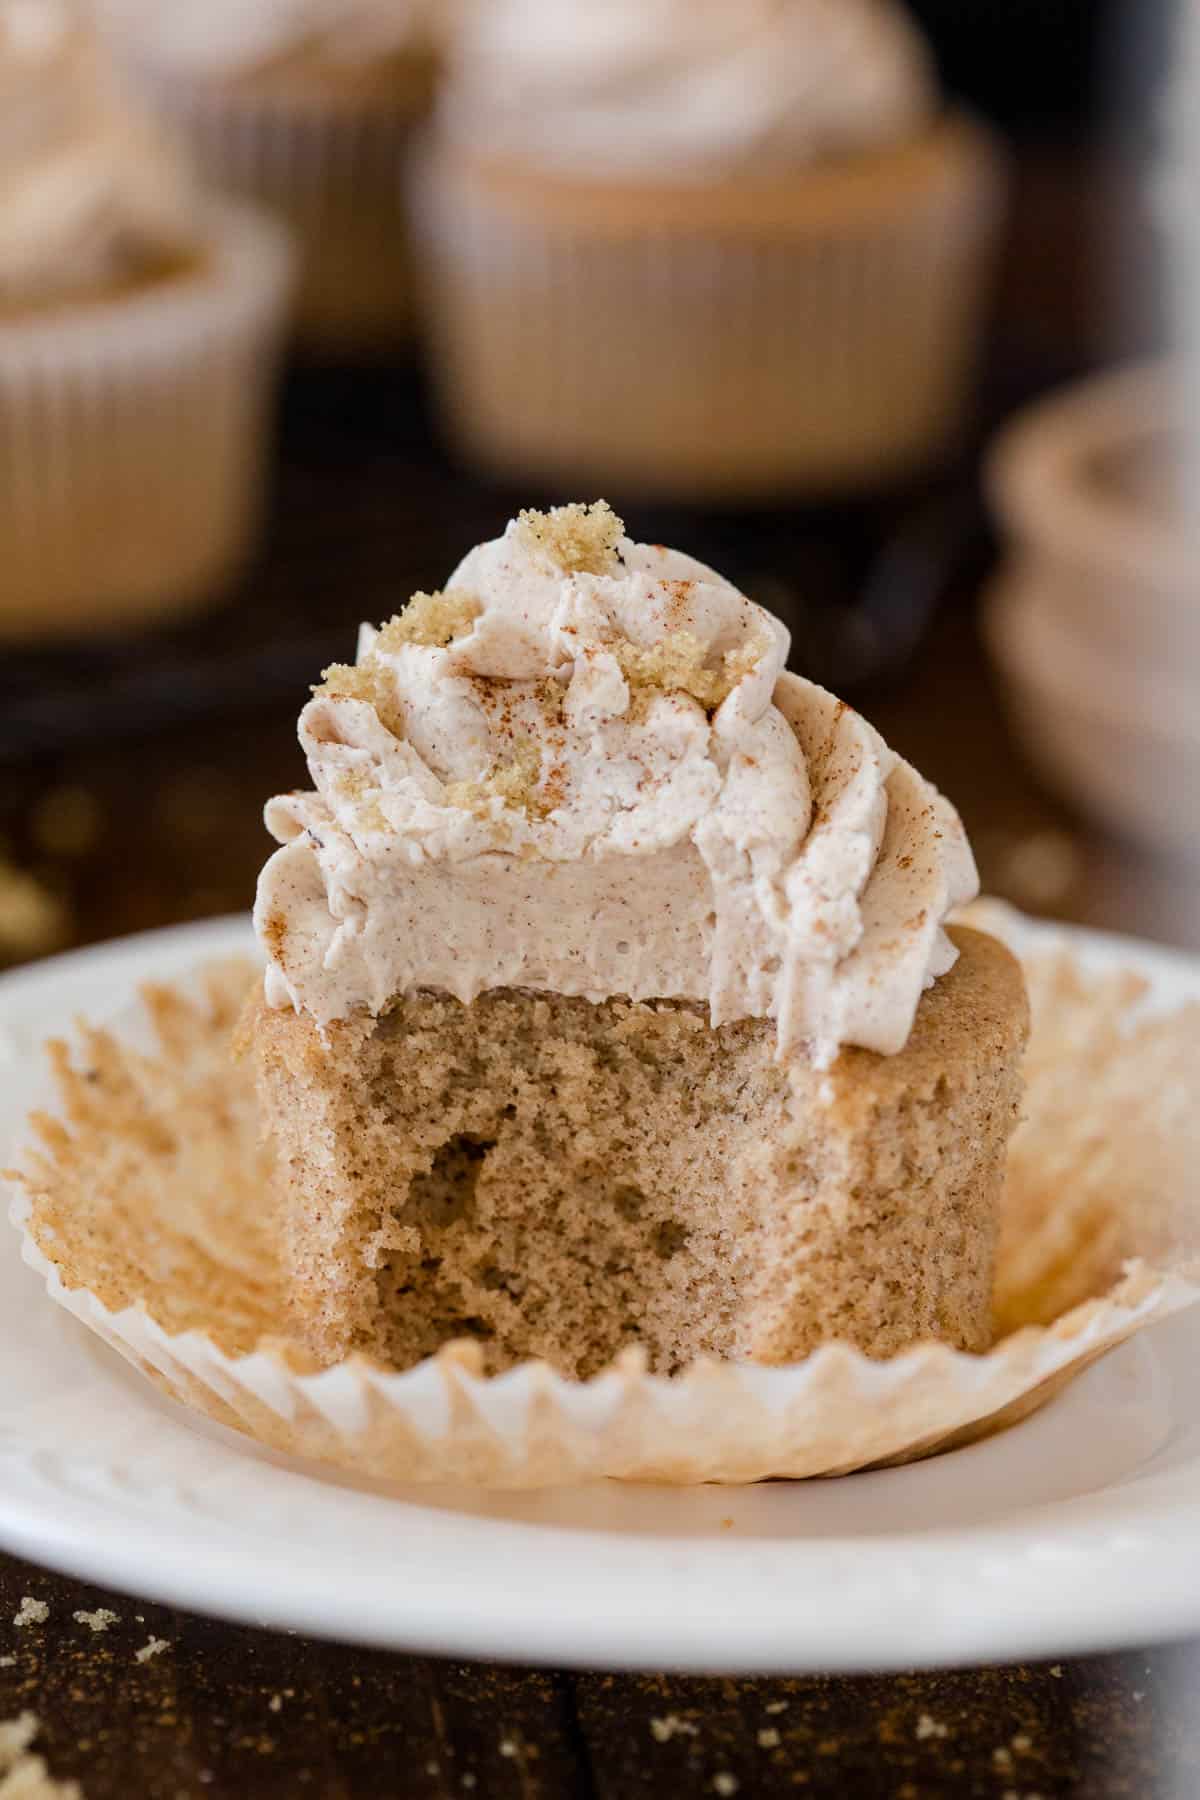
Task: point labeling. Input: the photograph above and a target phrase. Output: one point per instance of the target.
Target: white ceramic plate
(1078, 1530)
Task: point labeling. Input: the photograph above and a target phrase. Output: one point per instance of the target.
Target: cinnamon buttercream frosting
(89, 195)
(647, 86)
(583, 769)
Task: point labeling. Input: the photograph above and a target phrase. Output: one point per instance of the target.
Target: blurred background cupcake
(138, 340)
(305, 107)
(710, 248)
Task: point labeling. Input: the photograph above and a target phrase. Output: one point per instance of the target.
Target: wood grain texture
(225, 1712)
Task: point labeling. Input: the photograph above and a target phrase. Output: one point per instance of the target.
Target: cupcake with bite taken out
(139, 338)
(706, 248)
(610, 997)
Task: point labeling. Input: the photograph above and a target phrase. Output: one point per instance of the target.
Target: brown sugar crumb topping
(677, 665)
(513, 781)
(356, 786)
(579, 539)
(363, 681)
(430, 620)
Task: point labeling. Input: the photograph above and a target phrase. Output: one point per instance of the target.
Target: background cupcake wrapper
(130, 1178)
(132, 438)
(712, 361)
(330, 166)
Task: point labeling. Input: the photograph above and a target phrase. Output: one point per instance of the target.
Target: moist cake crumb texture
(560, 1179)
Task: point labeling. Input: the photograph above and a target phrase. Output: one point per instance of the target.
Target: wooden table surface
(149, 823)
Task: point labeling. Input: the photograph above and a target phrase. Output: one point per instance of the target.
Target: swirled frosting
(582, 769)
(237, 37)
(645, 86)
(89, 197)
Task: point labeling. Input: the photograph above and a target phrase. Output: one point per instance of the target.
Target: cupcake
(139, 328)
(610, 998)
(727, 248)
(305, 107)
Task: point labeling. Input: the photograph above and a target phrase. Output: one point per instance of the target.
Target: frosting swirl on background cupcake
(646, 86)
(238, 37)
(90, 198)
(581, 769)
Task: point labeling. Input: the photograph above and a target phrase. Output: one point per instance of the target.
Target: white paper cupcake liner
(133, 438)
(329, 165)
(144, 1210)
(811, 351)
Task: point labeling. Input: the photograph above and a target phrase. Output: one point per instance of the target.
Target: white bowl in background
(1119, 742)
(1088, 489)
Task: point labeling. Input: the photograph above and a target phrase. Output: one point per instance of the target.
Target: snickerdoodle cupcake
(723, 248)
(307, 108)
(140, 327)
(610, 998)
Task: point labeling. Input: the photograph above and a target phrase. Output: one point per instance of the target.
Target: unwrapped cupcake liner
(328, 162)
(827, 344)
(145, 1208)
(133, 438)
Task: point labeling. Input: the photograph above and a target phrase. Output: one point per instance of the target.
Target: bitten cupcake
(610, 999)
(305, 107)
(720, 248)
(139, 331)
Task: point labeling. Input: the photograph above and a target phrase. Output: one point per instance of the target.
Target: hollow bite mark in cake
(609, 995)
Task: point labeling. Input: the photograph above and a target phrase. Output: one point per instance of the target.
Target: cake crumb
(8, 1662)
(672, 1726)
(155, 1647)
(430, 620)
(32, 919)
(275, 1703)
(1002, 1758)
(1056, 1671)
(25, 1777)
(725, 1784)
(16, 1735)
(769, 1738)
(30, 1612)
(581, 539)
(775, 1707)
(1022, 1742)
(507, 1747)
(469, 1780)
(931, 1728)
(100, 1620)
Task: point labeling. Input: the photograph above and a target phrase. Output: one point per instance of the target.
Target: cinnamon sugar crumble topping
(581, 539)
(431, 620)
(513, 782)
(365, 681)
(677, 665)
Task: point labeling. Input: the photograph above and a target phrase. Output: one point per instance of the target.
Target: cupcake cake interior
(562, 1179)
